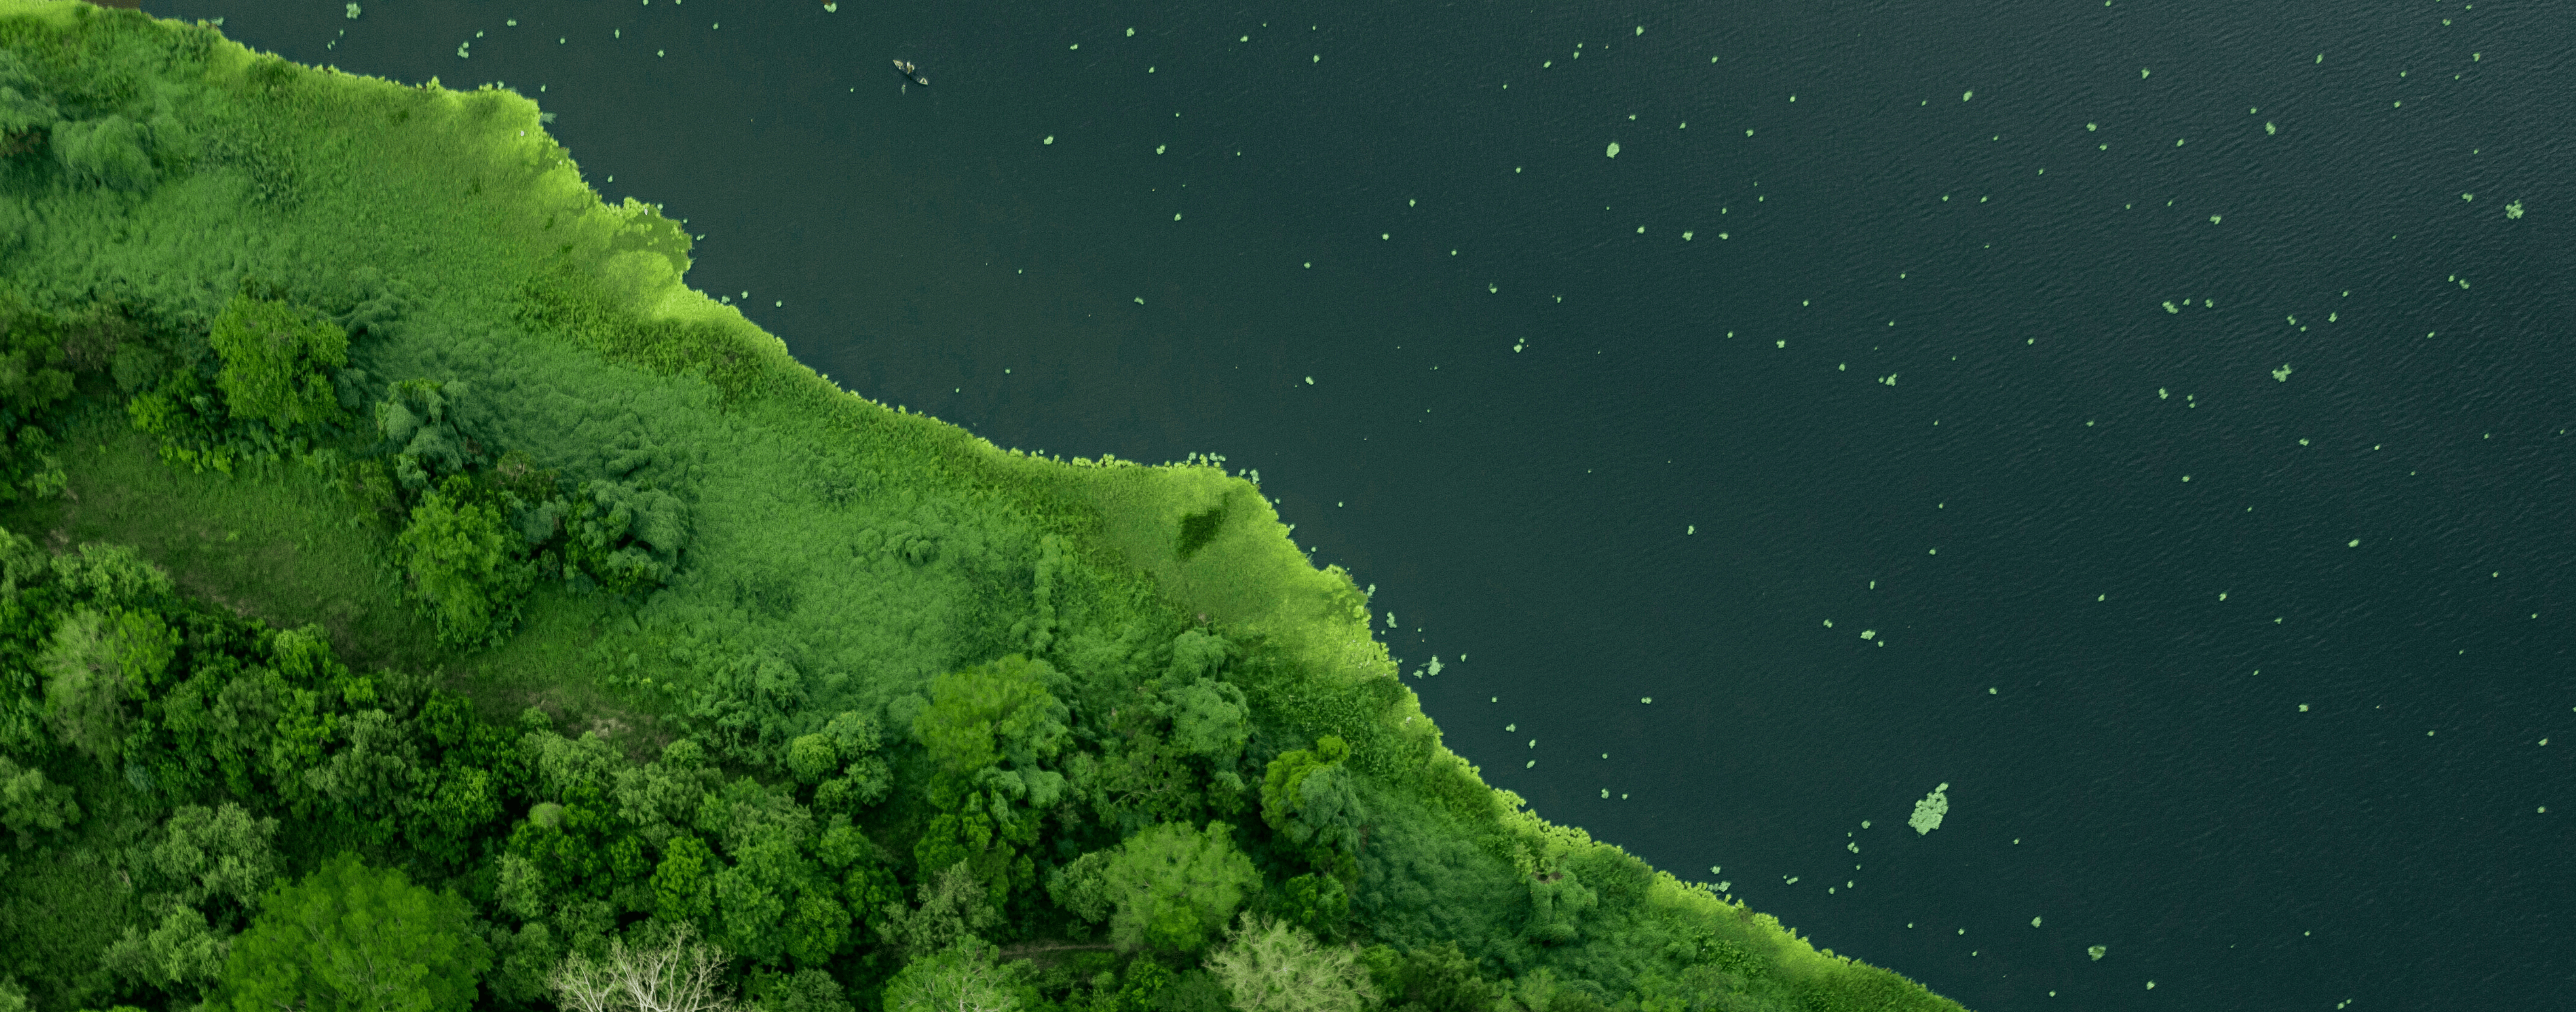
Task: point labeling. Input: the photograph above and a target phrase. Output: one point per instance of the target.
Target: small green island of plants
(414, 597)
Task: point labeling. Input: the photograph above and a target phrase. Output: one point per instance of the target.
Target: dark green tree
(866, 872)
(955, 909)
(1558, 901)
(1434, 978)
(624, 537)
(30, 385)
(434, 430)
(1317, 903)
(988, 730)
(1310, 798)
(29, 804)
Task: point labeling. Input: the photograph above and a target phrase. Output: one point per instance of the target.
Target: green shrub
(434, 430)
(111, 151)
(624, 537)
(277, 362)
(32, 382)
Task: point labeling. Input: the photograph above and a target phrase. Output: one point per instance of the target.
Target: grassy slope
(573, 317)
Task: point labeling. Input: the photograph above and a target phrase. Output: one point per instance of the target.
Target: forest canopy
(413, 596)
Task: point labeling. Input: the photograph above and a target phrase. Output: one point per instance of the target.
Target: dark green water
(1510, 440)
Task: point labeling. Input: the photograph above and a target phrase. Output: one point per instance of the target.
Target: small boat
(906, 68)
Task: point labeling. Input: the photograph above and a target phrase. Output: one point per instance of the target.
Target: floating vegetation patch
(1929, 811)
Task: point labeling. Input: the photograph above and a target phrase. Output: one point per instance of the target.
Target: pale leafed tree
(1273, 966)
(679, 974)
(96, 663)
(966, 977)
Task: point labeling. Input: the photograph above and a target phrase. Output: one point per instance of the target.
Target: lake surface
(2149, 420)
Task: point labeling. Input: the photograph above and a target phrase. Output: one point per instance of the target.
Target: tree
(184, 951)
(954, 908)
(111, 575)
(276, 362)
(868, 884)
(850, 738)
(214, 854)
(435, 429)
(29, 804)
(1169, 887)
(1211, 720)
(988, 714)
(683, 884)
(1311, 798)
(96, 662)
(1540, 990)
(812, 757)
(806, 990)
(1196, 653)
(679, 973)
(1270, 966)
(975, 721)
(29, 385)
(350, 938)
(462, 557)
(965, 977)
(1317, 903)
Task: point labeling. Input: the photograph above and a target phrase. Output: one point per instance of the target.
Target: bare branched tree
(682, 974)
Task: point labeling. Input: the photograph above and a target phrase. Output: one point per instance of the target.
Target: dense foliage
(597, 656)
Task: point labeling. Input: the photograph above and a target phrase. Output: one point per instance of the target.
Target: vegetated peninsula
(413, 595)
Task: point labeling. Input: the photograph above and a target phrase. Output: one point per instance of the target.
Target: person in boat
(908, 70)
